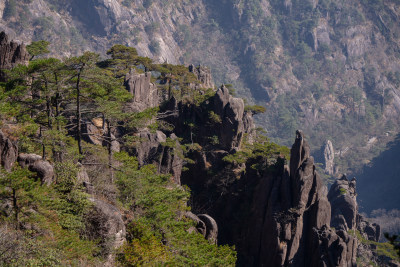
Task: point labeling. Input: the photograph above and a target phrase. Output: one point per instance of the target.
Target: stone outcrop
(370, 231)
(156, 148)
(329, 157)
(95, 132)
(35, 163)
(206, 226)
(105, 224)
(145, 93)
(276, 217)
(211, 232)
(203, 74)
(8, 152)
(11, 54)
(342, 197)
(231, 112)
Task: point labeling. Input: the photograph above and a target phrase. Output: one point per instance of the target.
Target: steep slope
(111, 186)
(331, 67)
(378, 185)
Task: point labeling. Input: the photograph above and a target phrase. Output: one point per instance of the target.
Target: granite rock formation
(231, 111)
(329, 157)
(203, 74)
(206, 226)
(291, 222)
(42, 168)
(8, 152)
(342, 197)
(11, 54)
(164, 152)
(105, 223)
(145, 93)
(276, 217)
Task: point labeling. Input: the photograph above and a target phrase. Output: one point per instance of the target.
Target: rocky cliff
(11, 54)
(318, 64)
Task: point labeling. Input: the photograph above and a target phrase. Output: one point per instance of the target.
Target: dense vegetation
(43, 106)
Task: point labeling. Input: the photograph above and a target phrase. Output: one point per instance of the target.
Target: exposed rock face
(231, 111)
(95, 132)
(35, 163)
(154, 148)
(203, 74)
(342, 197)
(206, 225)
(11, 54)
(211, 227)
(279, 217)
(370, 231)
(329, 157)
(249, 127)
(8, 152)
(145, 93)
(105, 223)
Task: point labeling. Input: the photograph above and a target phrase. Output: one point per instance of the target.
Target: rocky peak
(299, 153)
(329, 157)
(342, 197)
(11, 54)
(145, 93)
(231, 112)
(203, 74)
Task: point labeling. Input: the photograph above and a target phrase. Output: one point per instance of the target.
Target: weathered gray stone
(104, 223)
(211, 227)
(203, 74)
(145, 93)
(231, 111)
(11, 54)
(42, 168)
(329, 157)
(8, 152)
(342, 197)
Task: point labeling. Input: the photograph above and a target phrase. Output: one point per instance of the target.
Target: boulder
(8, 152)
(206, 226)
(42, 168)
(370, 231)
(211, 227)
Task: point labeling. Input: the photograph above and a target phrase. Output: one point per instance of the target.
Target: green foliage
(343, 191)
(255, 109)
(214, 118)
(154, 47)
(263, 151)
(159, 235)
(38, 48)
(383, 249)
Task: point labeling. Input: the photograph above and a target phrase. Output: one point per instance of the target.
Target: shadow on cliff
(378, 184)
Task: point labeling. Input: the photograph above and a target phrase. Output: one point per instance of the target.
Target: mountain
(122, 161)
(378, 185)
(331, 68)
